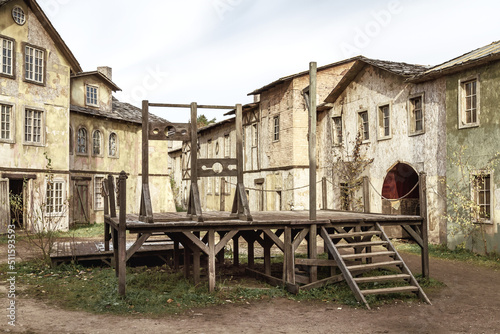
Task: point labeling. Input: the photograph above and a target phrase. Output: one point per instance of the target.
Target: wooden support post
(366, 194)
(312, 140)
(196, 265)
(220, 254)
(313, 251)
(187, 260)
(115, 250)
(211, 260)
(239, 152)
(251, 251)
(324, 194)
(268, 243)
(288, 260)
(112, 198)
(236, 250)
(122, 236)
(423, 229)
(176, 255)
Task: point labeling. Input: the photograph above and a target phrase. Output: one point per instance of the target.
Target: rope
(396, 199)
(272, 191)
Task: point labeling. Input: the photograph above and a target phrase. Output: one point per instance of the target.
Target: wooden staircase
(356, 257)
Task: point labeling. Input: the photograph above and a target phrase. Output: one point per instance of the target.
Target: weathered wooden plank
(374, 265)
(414, 235)
(312, 139)
(316, 262)
(292, 288)
(289, 262)
(236, 250)
(362, 244)
(366, 255)
(196, 241)
(400, 289)
(211, 260)
(298, 239)
(122, 237)
(201, 106)
(277, 241)
(224, 240)
(138, 243)
(196, 265)
(323, 282)
(381, 278)
(423, 214)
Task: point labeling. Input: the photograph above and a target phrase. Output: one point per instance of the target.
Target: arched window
(96, 142)
(113, 145)
(81, 141)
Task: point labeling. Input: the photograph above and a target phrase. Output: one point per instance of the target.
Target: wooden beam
(313, 251)
(122, 236)
(292, 288)
(289, 263)
(137, 244)
(277, 241)
(236, 250)
(298, 239)
(315, 262)
(224, 240)
(414, 235)
(211, 260)
(366, 194)
(312, 140)
(201, 106)
(196, 241)
(423, 214)
(323, 282)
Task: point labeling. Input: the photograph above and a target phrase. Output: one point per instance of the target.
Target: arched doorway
(401, 181)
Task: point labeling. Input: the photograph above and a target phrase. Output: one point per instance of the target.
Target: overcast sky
(217, 51)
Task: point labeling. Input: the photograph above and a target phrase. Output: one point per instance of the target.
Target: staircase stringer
(343, 268)
(404, 267)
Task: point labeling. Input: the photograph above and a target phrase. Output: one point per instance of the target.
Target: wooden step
(381, 278)
(362, 244)
(374, 265)
(354, 234)
(367, 255)
(398, 289)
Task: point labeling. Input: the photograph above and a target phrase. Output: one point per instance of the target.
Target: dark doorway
(81, 207)
(401, 181)
(17, 211)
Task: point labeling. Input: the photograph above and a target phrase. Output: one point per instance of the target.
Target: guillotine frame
(188, 134)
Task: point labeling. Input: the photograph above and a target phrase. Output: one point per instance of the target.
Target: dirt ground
(470, 303)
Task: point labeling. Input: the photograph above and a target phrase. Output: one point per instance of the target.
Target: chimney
(107, 71)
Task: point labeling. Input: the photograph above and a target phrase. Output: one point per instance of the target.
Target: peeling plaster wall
(481, 142)
(425, 152)
(52, 98)
(79, 92)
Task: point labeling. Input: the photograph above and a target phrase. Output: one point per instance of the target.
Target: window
(6, 122)
(469, 103)
(55, 197)
(337, 130)
(70, 140)
(384, 119)
(33, 126)
(416, 116)
(18, 15)
(364, 126)
(227, 147)
(81, 141)
(34, 64)
(6, 56)
(96, 142)
(98, 200)
(255, 133)
(276, 132)
(482, 196)
(113, 145)
(91, 95)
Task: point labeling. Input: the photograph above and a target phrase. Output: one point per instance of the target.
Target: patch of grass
(457, 254)
(85, 231)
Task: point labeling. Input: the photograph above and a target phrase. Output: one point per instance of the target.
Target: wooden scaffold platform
(356, 242)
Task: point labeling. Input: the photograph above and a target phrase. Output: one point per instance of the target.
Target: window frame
(91, 104)
(97, 193)
(12, 123)
(336, 139)
(44, 64)
(412, 125)
(101, 136)
(48, 205)
(361, 125)
(381, 117)
(475, 195)
(77, 151)
(116, 155)
(42, 127)
(462, 102)
(14, 17)
(11, 75)
(276, 128)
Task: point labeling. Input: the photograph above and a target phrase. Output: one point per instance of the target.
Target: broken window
(384, 118)
(482, 195)
(337, 130)
(364, 125)
(416, 116)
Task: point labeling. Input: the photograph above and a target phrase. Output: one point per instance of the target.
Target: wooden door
(81, 207)
(4, 205)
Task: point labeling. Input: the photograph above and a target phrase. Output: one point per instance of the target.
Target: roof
(215, 125)
(397, 68)
(75, 66)
(246, 107)
(101, 76)
(121, 111)
(477, 57)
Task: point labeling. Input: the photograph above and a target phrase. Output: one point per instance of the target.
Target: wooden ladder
(351, 264)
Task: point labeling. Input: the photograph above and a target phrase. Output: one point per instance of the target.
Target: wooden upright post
(366, 194)
(145, 142)
(239, 152)
(423, 229)
(211, 260)
(122, 239)
(194, 143)
(312, 140)
(324, 193)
